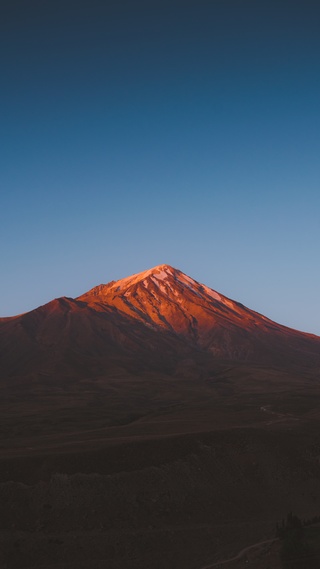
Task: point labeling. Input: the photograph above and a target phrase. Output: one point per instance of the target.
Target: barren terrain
(128, 447)
(199, 471)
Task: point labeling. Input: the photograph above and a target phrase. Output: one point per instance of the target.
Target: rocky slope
(167, 299)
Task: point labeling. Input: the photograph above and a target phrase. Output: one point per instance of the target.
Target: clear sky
(184, 132)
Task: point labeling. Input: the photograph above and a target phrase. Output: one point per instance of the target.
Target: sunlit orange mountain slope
(164, 298)
(155, 318)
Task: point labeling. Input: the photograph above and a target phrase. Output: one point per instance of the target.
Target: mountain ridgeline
(154, 319)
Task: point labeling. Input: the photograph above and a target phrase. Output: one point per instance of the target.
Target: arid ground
(155, 471)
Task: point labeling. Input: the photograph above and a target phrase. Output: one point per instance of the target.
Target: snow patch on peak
(211, 293)
(188, 279)
(161, 275)
(160, 272)
(164, 278)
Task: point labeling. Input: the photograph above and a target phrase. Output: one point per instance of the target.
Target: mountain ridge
(167, 297)
(158, 317)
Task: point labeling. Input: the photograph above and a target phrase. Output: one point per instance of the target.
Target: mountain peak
(158, 273)
(161, 271)
(159, 308)
(164, 298)
(162, 277)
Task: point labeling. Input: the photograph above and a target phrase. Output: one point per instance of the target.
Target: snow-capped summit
(151, 320)
(165, 297)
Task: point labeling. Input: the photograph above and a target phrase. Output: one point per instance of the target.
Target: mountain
(158, 319)
(153, 422)
(164, 298)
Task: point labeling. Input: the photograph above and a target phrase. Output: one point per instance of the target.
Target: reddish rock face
(165, 298)
(155, 318)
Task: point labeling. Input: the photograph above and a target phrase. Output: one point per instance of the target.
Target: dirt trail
(278, 417)
(240, 554)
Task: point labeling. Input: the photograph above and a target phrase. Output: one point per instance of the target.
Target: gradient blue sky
(184, 132)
